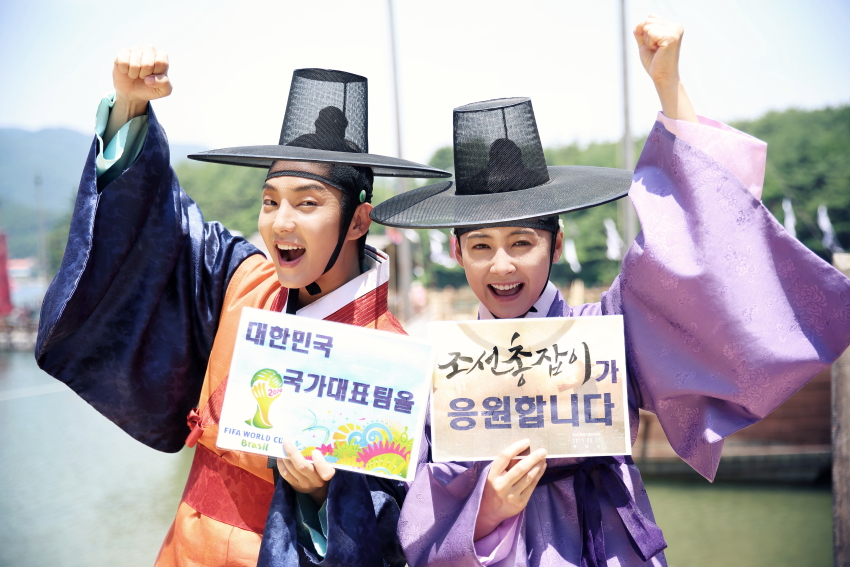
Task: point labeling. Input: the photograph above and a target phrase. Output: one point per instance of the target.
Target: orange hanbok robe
(221, 516)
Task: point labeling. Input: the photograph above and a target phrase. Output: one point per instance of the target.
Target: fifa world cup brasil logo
(266, 386)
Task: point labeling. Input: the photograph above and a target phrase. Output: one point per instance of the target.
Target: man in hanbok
(725, 317)
(141, 319)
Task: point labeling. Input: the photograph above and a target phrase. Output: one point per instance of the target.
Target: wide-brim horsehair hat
(501, 177)
(326, 121)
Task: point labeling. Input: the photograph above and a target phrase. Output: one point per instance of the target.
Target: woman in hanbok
(725, 316)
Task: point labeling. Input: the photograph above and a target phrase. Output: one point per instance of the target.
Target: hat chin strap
(314, 288)
(292, 301)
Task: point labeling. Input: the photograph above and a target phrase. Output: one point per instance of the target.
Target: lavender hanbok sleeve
(726, 315)
(129, 320)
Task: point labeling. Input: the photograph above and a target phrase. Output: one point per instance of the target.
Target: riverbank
(739, 525)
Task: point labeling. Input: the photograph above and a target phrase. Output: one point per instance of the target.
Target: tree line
(808, 162)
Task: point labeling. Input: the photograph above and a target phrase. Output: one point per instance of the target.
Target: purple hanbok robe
(726, 316)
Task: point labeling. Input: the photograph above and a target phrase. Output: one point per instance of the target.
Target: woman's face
(507, 267)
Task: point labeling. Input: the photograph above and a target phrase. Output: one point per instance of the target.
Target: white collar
(377, 266)
(541, 306)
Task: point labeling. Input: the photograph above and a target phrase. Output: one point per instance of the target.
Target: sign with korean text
(560, 382)
(357, 395)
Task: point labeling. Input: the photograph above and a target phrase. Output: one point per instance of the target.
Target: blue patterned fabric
(362, 514)
(124, 147)
(128, 322)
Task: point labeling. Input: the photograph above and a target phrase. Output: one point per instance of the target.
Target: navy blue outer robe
(129, 320)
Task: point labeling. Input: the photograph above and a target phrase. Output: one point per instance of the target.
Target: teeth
(505, 287)
(288, 247)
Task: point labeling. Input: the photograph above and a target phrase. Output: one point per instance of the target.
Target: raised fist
(659, 41)
(140, 75)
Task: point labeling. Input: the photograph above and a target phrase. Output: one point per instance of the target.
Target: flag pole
(404, 258)
(43, 268)
(627, 210)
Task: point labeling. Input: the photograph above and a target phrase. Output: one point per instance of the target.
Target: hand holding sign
(302, 475)
(509, 486)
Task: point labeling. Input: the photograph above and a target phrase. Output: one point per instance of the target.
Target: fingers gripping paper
(560, 382)
(357, 395)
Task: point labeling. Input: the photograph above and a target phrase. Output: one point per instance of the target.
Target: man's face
(300, 222)
(507, 267)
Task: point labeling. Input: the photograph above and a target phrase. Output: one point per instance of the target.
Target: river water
(76, 491)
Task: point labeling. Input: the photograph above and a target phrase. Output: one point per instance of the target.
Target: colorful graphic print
(377, 447)
(266, 386)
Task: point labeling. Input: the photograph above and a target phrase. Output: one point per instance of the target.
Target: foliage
(808, 161)
(57, 239)
(443, 158)
(20, 222)
(440, 276)
(230, 195)
(586, 227)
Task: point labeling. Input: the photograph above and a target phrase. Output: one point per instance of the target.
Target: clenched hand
(139, 75)
(659, 42)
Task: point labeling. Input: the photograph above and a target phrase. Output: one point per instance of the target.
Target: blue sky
(232, 62)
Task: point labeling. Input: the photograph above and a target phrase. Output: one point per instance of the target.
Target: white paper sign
(357, 395)
(560, 382)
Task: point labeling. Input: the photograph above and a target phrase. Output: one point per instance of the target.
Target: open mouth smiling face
(506, 290)
(289, 253)
(507, 267)
(299, 223)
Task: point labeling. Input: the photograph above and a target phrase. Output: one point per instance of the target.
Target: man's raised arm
(129, 320)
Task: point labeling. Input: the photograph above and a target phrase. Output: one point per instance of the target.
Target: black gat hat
(326, 121)
(501, 177)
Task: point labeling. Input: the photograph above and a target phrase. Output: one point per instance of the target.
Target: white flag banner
(829, 240)
(613, 240)
(438, 254)
(790, 219)
(571, 255)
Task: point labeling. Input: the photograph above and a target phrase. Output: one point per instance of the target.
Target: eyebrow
(516, 232)
(307, 187)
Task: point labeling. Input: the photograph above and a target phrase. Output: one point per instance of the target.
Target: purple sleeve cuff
(738, 152)
(497, 545)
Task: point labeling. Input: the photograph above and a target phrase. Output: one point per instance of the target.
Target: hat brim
(570, 188)
(264, 156)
